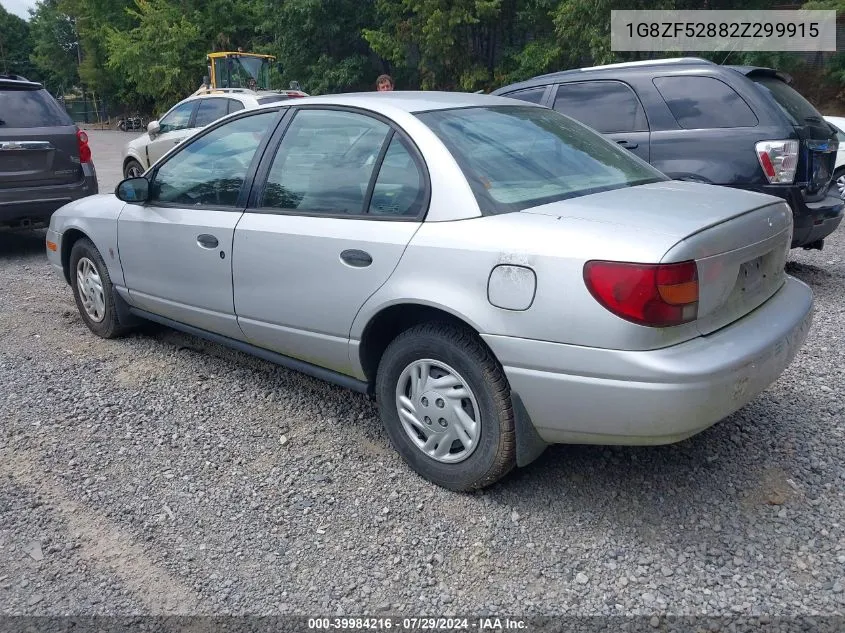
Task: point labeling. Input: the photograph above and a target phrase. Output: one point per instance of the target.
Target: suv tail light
(84, 148)
(655, 295)
(779, 160)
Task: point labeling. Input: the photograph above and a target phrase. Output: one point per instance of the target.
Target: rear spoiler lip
(20, 85)
(762, 71)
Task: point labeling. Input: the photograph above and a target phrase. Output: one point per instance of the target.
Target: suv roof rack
(644, 62)
(208, 91)
(18, 79)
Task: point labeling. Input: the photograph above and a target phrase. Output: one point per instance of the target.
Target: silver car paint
(565, 335)
(293, 292)
(168, 273)
(96, 217)
(579, 394)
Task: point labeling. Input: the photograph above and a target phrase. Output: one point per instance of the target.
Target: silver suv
(45, 161)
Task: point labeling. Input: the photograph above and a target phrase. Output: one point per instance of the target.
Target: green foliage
(162, 56)
(152, 52)
(15, 46)
(54, 46)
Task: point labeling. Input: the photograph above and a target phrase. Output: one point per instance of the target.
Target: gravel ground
(163, 474)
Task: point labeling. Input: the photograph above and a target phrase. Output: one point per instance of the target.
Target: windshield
(516, 157)
(796, 107)
(243, 72)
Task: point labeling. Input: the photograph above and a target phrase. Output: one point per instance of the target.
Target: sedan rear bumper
(599, 396)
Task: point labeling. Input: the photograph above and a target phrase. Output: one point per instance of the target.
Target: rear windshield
(30, 108)
(796, 107)
(517, 157)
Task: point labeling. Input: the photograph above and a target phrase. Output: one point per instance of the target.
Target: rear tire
(93, 291)
(478, 428)
(839, 182)
(132, 169)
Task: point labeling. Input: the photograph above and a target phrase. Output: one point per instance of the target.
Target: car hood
(674, 208)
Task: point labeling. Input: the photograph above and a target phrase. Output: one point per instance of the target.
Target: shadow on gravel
(737, 468)
(22, 243)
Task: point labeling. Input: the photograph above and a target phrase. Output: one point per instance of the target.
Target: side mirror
(153, 128)
(133, 190)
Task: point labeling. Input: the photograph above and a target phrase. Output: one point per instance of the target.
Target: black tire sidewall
(109, 325)
(402, 352)
(129, 164)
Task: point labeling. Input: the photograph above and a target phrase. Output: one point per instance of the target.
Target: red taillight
(656, 295)
(84, 149)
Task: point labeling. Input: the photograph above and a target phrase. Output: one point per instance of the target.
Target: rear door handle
(356, 258)
(628, 144)
(207, 241)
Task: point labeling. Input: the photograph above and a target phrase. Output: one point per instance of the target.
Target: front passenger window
(178, 118)
(211, 170)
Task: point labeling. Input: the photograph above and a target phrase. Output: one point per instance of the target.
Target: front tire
(132, 169)
(445, 403)
(93, 290)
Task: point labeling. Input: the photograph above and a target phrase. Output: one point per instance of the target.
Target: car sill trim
(336, 378)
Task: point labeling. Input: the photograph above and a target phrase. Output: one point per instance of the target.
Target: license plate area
(751, 275)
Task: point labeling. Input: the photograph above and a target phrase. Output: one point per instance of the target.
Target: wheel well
(131, 158)
(69, 238)
(390, 323)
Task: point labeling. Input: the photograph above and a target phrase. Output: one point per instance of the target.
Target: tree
(15, 46)
(319, 43)
(162, 56)
(55, 46)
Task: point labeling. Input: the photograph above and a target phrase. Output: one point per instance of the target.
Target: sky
(18, 7)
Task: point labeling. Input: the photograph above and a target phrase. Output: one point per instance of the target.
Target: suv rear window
(702, 103)
(30, 108)
(796, 107)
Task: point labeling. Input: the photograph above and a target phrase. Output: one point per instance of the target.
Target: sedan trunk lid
(738, 239)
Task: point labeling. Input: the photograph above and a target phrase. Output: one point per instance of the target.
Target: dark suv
(45, 161)
(740, 126)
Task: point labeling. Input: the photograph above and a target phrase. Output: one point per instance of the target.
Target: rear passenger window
(532, 95)
(324, 163)
(606, 106)
(399, 188)
(210, 110)
(704, 102)
(234, 105)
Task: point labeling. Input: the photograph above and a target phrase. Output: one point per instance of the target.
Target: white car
(839, 169)
(188, 116)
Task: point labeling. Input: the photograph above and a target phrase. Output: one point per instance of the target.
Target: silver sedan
(498, 276)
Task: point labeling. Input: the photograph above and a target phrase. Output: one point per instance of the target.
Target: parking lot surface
(163, 474)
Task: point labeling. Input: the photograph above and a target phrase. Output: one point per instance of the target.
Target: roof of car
(17, 81)
(409, 100)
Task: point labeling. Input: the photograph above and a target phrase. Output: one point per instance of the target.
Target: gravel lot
(163, 474)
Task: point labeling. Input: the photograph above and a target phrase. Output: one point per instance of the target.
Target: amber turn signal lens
(51, 245)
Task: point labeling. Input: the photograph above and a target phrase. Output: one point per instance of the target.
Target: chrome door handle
(207, 241)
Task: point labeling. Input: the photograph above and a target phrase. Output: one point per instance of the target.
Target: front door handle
(207, 241)
(627, 144)
(356, 258)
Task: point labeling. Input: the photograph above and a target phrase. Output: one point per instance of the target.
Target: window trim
(199, 104)
(260, 180)
(625, 84)
(281, 112)
(704, 76)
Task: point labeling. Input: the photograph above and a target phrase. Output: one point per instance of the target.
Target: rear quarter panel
(448, 264)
